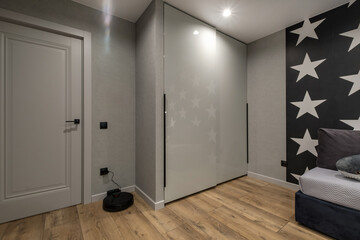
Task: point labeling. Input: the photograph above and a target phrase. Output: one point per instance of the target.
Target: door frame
(36, 23)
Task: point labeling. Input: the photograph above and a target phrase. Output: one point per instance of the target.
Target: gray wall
(113, 76)
(149, 101)
(267, 105)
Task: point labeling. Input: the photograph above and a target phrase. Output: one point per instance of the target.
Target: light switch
(103, 125)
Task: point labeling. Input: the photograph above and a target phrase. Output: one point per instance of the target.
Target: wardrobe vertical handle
(247, 132)
(164, 140)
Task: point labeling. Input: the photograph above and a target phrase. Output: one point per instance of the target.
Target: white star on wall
(351, 2)
(307, 106)
(196, 121)
(211, 111)
(172, 122)
(355, 35)
(307, 30)
(182, 113)
(298, 176)
(211, 88)
(196, 102)
(355, 79)
(353, 123)
(183, 94)
(212, 135)
(306, 144)
(307, 68)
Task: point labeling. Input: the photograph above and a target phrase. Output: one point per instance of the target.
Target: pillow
(349, 166)
(335, 144)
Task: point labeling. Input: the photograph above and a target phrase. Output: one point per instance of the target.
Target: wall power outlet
(104, 171)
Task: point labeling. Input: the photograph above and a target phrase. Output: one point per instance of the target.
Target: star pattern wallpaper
(322, 82)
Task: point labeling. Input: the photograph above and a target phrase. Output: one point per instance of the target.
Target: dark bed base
(331, 219)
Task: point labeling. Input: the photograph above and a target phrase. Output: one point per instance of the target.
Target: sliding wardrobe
(205, 106)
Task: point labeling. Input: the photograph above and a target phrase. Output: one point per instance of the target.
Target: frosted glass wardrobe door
(231, 72)
(192, 105)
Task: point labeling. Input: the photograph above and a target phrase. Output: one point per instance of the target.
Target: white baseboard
(101, 196)
(279, 182)
(148, 200)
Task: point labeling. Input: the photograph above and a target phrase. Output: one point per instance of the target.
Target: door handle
(76, 121)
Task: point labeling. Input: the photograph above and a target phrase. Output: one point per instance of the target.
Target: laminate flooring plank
(206, 204)
(275, 193)
(123, 225)
(295, 231)
(64, 232)
(26, 228)
(63, 224)
(96, 223)
(244, 226)
(164, 220)
(141, 204)
(244, 186)
(206, 225)
(142, 228)
(223, 196)
(279, 191)
(61, 217)
(252, 181)
(170, 225)
(261, 217)
(3, 227)
(184, 232)
(233, 188)
(269, 205)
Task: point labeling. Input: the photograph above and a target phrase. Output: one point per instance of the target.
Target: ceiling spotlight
(226, 12)
(196, 32)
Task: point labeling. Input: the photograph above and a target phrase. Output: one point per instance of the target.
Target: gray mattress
(331, 186)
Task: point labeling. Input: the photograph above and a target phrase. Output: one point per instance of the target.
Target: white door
(40, 89)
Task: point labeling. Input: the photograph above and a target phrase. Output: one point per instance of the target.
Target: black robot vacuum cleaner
(116, 200)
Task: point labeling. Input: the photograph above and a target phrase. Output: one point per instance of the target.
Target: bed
(327, 201)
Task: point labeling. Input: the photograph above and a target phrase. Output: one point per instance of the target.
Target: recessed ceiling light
(226, 12)
(196, 32)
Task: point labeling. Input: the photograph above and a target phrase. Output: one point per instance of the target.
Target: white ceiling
(251, 19)
(129, 10)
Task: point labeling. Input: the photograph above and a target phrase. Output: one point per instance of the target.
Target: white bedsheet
(331, 186)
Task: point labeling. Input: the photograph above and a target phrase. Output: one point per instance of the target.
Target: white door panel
(40, 160)
(231, 69)
(205, 87)
(191, 89)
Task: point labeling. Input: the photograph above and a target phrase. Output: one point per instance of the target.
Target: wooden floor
(245, 208)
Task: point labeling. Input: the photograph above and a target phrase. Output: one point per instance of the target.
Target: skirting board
(279, 182)
(148, 200)
(101, 196)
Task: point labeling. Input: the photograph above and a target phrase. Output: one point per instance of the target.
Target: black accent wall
(330, 77)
